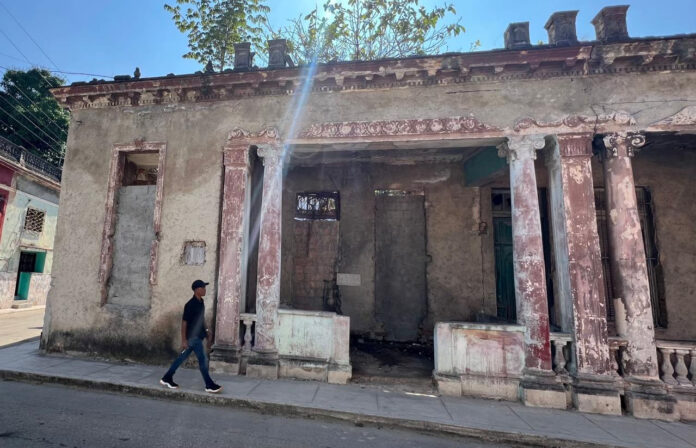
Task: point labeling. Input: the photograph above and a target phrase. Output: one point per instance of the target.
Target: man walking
(193, 332)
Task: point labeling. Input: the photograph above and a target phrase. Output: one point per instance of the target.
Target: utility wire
(29, 146)
(29, 35)
(34, 124)
(25, 127)
(39, 108)
(43, 128)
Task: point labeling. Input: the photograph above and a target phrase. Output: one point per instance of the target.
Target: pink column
(579, 267)
(264, 363)
(232, 270)
(528, 251)
(634, 319)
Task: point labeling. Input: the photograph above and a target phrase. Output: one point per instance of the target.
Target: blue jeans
(194, 345)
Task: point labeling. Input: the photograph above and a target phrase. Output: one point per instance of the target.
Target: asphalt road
(56, 416)
(20, 325)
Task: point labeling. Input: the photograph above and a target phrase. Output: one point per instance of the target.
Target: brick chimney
(517, 36)
(243, 56)
(561, 28)
(610, 24)
(277, 50)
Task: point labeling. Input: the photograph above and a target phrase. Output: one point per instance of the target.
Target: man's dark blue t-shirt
(194, 315)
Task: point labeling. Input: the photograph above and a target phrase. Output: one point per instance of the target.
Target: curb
(21, 310)
(289, 410)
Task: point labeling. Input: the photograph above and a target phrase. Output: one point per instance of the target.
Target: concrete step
(19, 304)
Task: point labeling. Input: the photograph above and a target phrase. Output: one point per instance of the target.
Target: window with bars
(647, 225)
(318, 205)
(34, 220)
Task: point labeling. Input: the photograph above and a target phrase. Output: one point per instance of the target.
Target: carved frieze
(684, 118)
(578, 123)
(393, 128)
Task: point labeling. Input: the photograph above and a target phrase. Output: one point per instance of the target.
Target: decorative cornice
(394, 128)
(540, 62)
(683, 119)
(625, 144)
(577, 123)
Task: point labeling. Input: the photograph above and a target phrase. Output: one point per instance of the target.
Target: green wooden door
(504, 274)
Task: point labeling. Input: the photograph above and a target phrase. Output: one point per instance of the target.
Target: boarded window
(318, 205)
(194, 253)
(35, 220)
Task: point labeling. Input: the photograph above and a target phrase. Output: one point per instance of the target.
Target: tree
(372, 29)
(30, 116)
(214, 26)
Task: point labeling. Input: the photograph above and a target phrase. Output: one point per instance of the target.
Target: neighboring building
(369, 199)
(29, 190)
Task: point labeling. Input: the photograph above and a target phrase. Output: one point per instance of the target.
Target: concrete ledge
(489, 435)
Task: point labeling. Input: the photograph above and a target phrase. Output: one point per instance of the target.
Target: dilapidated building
(29, 190)
(522, 214)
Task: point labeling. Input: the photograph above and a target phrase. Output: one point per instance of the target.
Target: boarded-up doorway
(400, 288)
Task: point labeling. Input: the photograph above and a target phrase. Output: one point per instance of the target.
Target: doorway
(400, 258)
(29, 263)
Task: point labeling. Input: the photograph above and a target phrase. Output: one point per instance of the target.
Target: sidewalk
(486, 419)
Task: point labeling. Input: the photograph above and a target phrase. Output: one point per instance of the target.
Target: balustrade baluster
(247, 335)
(680, 368)
(559, 357)
(692, 366)
(666, 367)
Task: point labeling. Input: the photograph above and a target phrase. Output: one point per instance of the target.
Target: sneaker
(213, 388)
(169, 383)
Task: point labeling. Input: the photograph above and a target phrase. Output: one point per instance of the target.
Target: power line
(34, 124)
(29, 35)
(57, 71)
(44, 128)
(29, 146)
(14, 84)
(32, 132)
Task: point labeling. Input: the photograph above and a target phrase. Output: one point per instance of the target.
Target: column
(634, 319)
(579, 270)
(645, 395)
(539, 387)
(232, 270)
(264, 360)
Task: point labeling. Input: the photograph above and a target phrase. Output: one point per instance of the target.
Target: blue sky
(109, 37)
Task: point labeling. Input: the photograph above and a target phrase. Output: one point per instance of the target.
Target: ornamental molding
(396, 128)
(520, 147)
(623, 144)
(577, 123)
(265, 134)
(684, 118)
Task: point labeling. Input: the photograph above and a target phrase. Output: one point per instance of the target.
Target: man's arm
(184, 341)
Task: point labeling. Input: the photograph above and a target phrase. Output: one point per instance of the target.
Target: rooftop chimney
(561, 28)
(610, 24)
(243, 56)
(277, 49)
(517, 36)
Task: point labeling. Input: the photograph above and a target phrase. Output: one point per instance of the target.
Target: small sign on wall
(194, 253)
(348, 279)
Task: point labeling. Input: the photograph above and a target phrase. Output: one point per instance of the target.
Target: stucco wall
(454, 274)
(195, 134)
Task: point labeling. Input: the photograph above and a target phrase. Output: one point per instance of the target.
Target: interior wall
(455, 272)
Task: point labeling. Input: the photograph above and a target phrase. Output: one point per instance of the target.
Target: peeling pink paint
(230, 287)
(584, 259)
(528, 251)
(268, 286)
(628, 264)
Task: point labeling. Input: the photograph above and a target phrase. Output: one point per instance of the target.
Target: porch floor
(403, 366)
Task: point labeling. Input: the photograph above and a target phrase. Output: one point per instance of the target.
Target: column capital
(575, 145)
(623, 144)
(519, 147)
(270, 153)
